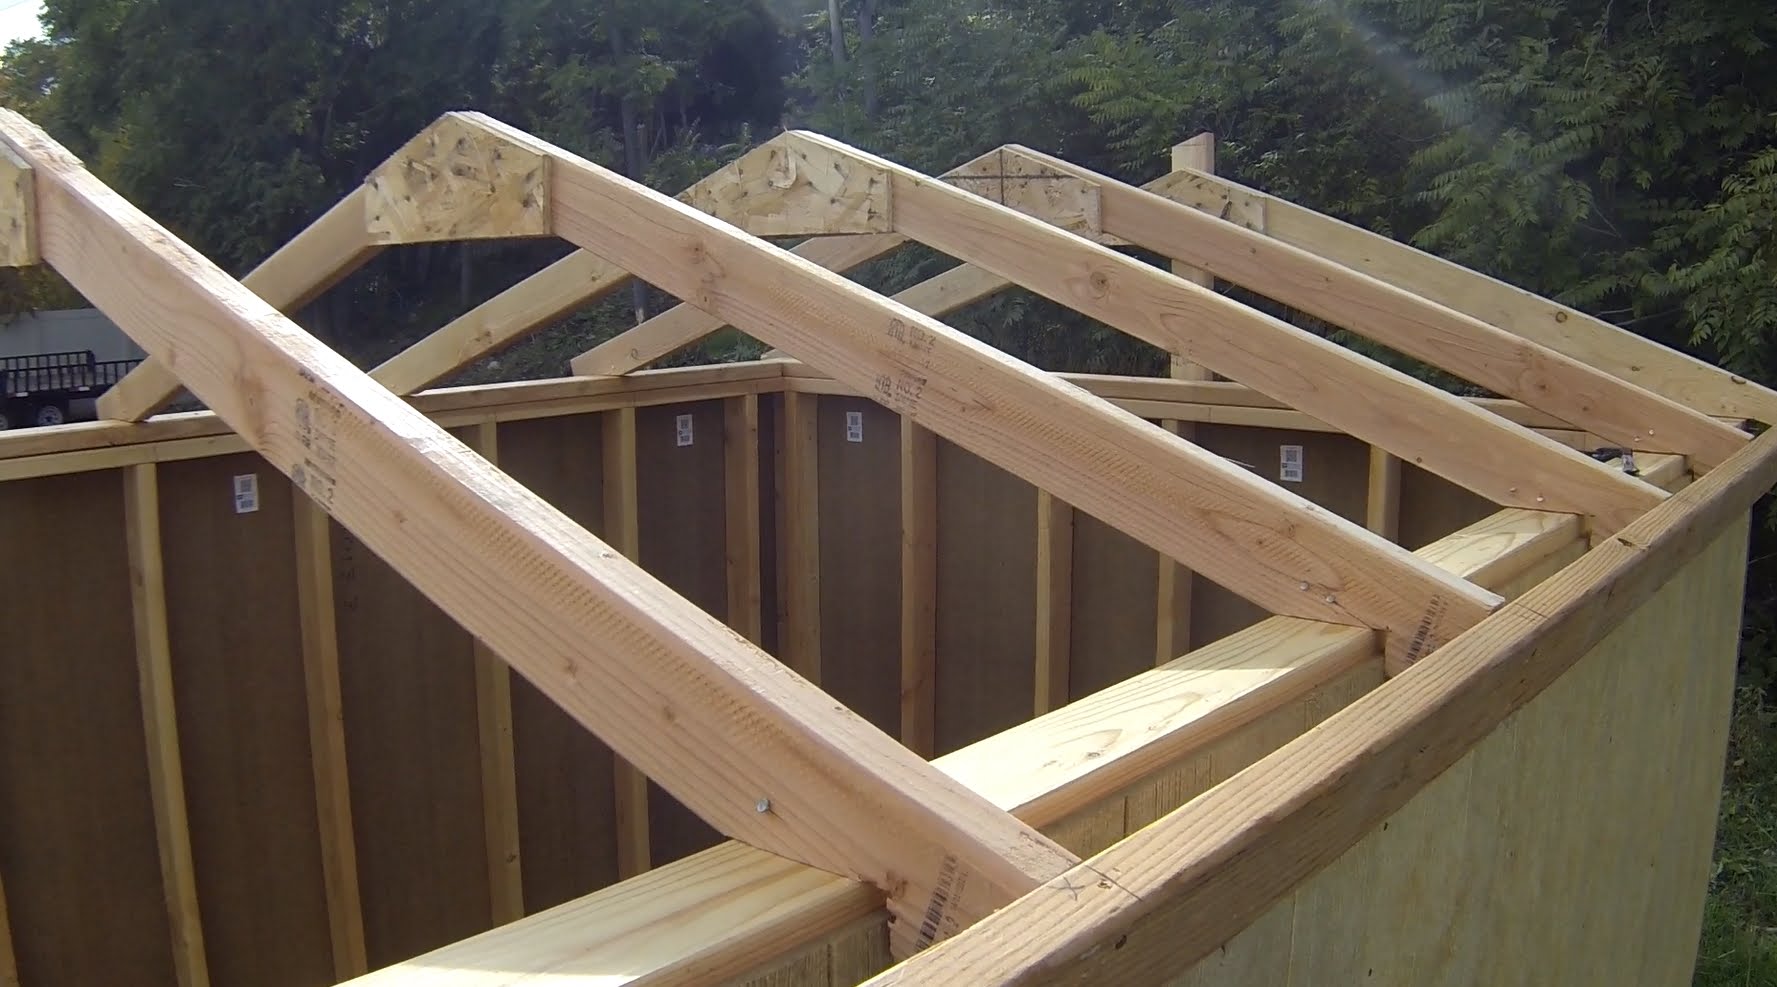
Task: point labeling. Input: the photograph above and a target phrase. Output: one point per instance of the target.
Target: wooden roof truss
(829, 811)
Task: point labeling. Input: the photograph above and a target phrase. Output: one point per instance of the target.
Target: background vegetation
(1619, 157)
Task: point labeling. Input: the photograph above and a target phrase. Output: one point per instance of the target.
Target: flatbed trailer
(38, 389)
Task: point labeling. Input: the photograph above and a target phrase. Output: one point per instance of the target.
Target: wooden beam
(457, 182)
(1461, 344)
(719, 724)
(919, 589)
(327, 739)
(555, 292)
(499, 777)
(18, 206)
(160, 721)
(1636, 359)
(623, 530)
(799, 535)
(1055, 600)
(319, 257)
(1382, 504)
(740, 450)
(722, 914)
(1192, 880)
(1273, 547)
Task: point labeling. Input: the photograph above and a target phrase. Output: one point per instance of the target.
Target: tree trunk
(633, 162)
(866, 61)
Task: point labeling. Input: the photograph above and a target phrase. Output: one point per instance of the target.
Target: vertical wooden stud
(1055, 579)
(623, 532)
(9, 967)
(919, 587)
(799, 535)
(327, 738)
(154, 668)
(740, 449)
(1383, 510)
(1172, 631)
(499, 780)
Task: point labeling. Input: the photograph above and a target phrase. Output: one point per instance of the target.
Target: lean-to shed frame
(834, 822)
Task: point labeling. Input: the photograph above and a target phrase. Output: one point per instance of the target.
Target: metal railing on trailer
(37, 389)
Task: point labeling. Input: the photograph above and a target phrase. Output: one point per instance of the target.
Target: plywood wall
(415, 790)
(1572, 846)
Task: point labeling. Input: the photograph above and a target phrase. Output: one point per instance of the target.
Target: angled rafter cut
(991, 863)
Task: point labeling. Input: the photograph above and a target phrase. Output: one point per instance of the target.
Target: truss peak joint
(791, 187)
(459, 181)
(18, 212)
(1206, 193)
(1018, 181)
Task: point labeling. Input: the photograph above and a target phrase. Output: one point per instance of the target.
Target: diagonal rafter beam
(1461, 344)
(1634, 358)
(1421, 424)
(751, 747)
(1278, 550)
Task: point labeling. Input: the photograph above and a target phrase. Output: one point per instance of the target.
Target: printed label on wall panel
(854, 426)
(1292, 464)
(246, 493)
(684, 430)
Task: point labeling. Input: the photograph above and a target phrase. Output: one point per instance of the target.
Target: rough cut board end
(18, 212)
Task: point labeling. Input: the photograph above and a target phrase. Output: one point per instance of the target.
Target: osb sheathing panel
(236, 639)
(1115, 599)
(1571, 846)
(683, 543)
(566, 811)
(77, 846)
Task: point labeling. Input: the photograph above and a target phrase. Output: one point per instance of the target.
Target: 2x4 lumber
(919, 589)
(18, 203)
(327, 738)
(1192, 880)
(1276, 549)
(740, 450)
(9, 967)
(623, 530)
(1382, 502)
(1641, 361)
(1055, 597)
(723, 913)
(319, 257)
(1436, 430)
(1468, 347)
(160, 721)
(721, 725)
(799, 533)
(499, 773)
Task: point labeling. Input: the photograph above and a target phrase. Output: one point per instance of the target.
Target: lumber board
(919, 588)
(721, 915)
(1195, 878)
(1217, 519)
(9, 966)
(1461, 344)
(675, 692)
(160, 722)
(453, 181)
(623, 530)
(18, 206)
(499, 781)
(1054, 606)
(1508, 464)
(799, 536)
(1641, 361)
(322, 255)
(744, 502)
(235, 634)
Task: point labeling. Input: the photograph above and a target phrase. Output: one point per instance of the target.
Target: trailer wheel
(50, 414)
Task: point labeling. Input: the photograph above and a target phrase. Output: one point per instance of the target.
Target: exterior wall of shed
(78, 849)
(1572, 846)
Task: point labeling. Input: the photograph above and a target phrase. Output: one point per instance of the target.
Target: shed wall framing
(782, 628)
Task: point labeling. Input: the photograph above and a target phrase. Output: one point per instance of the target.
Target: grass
(1739, 942)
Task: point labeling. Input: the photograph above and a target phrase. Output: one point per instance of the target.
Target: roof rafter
(1278, 550)
(1421, 424)
(1634, 358)
(755, 750)
(1484, 354)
